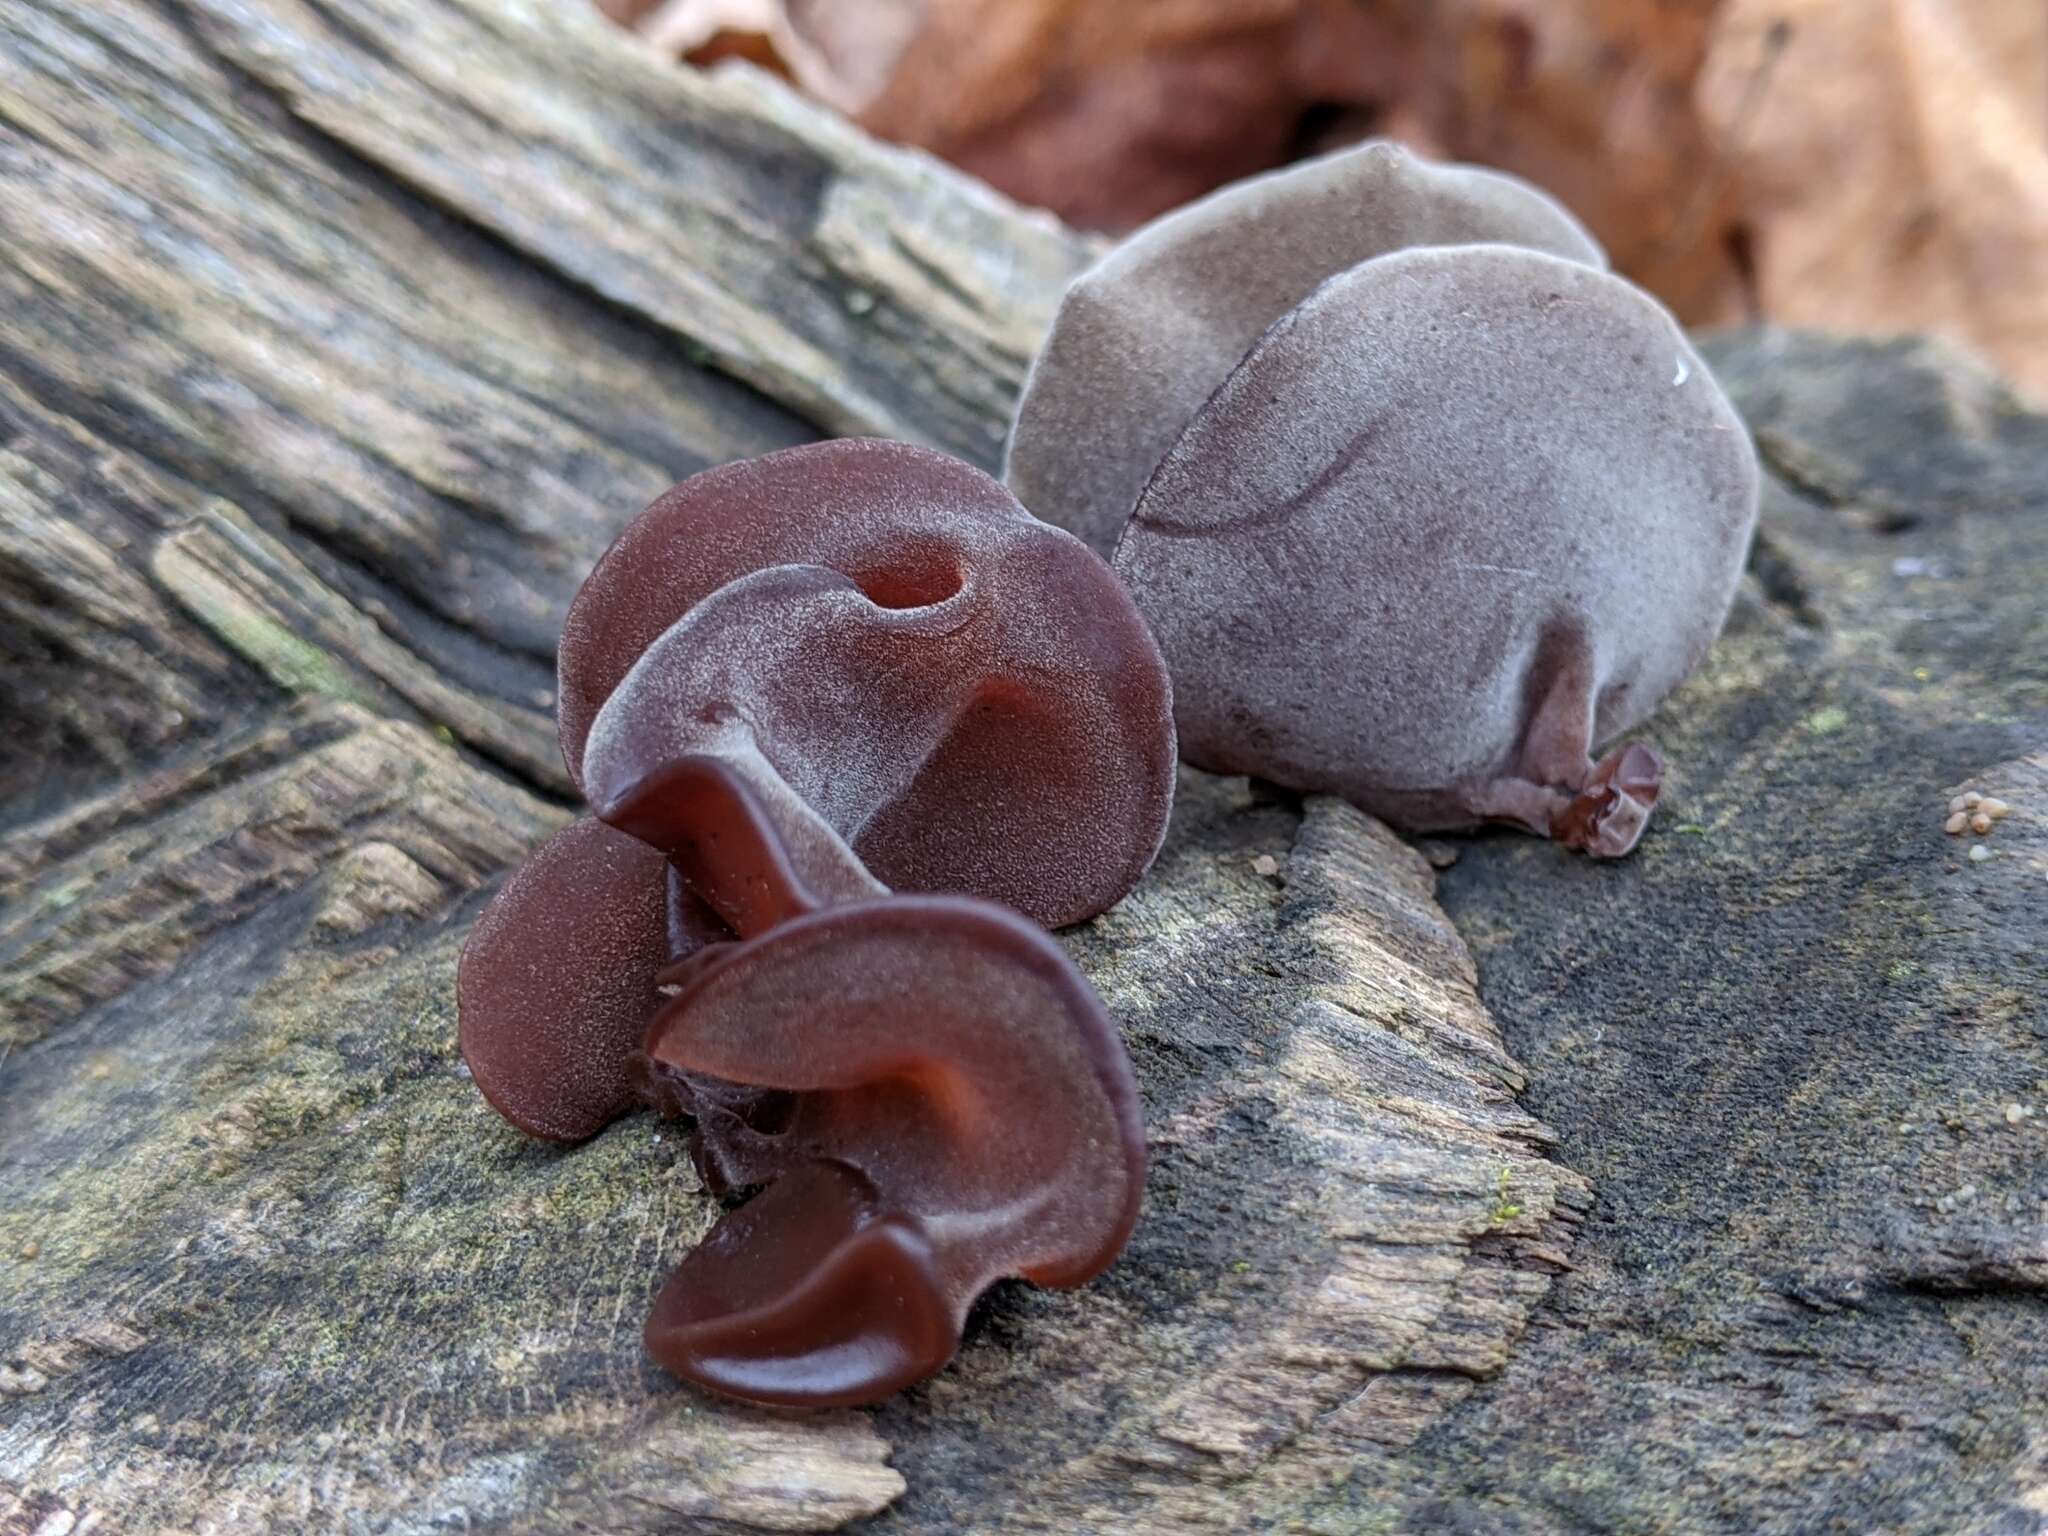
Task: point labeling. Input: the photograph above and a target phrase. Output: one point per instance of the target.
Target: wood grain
(338, 338)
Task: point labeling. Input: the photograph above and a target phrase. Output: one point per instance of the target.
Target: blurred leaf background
(1864, 165)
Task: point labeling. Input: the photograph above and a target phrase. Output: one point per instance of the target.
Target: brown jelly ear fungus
(1036, 762)
(943, 1102)
(1149, 332)
(1424, 506)
(788, 679)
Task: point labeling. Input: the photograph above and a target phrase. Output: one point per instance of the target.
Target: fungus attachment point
(958, 1109)
(1607, 817)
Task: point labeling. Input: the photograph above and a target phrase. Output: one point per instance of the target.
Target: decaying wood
(301, 473)
(340, 1260)
(337, 338)
(1800, 1043)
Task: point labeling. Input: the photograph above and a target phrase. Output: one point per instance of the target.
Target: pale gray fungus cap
(1460, 517)
(1149, 333)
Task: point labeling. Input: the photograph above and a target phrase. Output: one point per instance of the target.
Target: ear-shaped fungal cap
(961, 1110)
(1464, 514)
(1148, 333)
(963, 694)
(556, 983)
(746, 845)
(809, 1295)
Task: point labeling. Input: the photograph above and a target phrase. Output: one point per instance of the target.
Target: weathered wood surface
(1800, 1041)
(336, 339)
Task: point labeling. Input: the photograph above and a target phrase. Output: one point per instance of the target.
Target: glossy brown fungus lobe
(557, 982)
(924, 676)
(559, 977)
(1461, 516)
(1149, 333)
(965, 695)
(932, 1095)
(962, 1111)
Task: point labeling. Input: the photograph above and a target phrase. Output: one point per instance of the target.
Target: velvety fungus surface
(1148, 333)
(1035, 766)
(1424, 506)
(1448, 573)
(557, 982)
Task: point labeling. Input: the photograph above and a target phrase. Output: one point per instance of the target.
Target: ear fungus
(1464, 514)
(852, 651)
(961, 1111)
(958, 694)
(1040, 771)
(1148, 333)
(557, 982)
(932, 1093)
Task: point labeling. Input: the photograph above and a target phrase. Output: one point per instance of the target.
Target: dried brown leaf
(1853, 164)
(1107, 114)
(1893, 161)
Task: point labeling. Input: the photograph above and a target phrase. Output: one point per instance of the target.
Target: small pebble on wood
(1974, 812)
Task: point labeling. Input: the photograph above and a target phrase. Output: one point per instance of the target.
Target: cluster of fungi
(1421, 504)
(856, 728)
